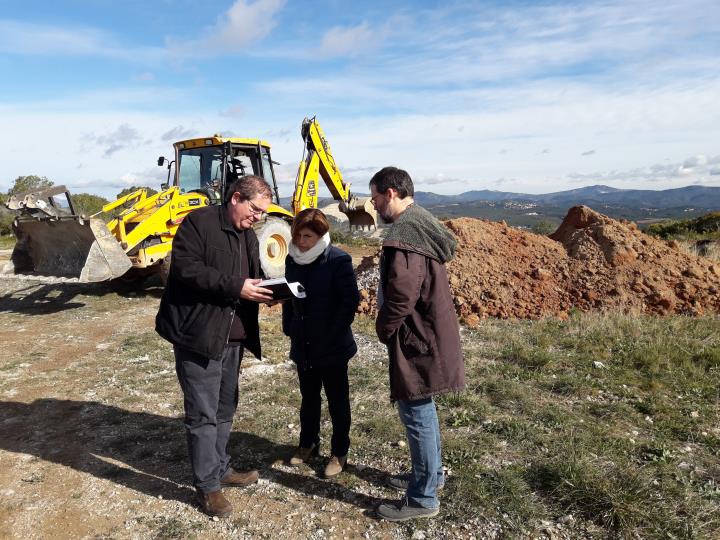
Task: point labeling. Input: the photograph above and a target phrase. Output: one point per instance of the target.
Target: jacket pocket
(220, 259)
(189, 318)
(412, 345)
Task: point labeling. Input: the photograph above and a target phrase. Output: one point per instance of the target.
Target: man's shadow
(42, 299)
(144, 451)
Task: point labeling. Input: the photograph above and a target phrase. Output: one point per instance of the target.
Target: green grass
(169, 528)
(602, 442)
(7, 241)
(629, 447)
(348, 239)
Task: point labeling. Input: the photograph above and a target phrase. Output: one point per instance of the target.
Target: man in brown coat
(417, 322)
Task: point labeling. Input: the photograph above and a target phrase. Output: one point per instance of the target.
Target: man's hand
(251, 291)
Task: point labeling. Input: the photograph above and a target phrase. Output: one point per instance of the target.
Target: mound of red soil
(592, 262)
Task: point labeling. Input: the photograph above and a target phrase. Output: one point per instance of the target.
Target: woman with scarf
(321, 339)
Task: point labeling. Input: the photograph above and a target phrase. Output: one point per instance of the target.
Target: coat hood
(418, 230)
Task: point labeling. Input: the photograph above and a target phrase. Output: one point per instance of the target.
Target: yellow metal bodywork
(279, 211)
(157, 216)
(141, 233)
(217, 140)
(318, 163)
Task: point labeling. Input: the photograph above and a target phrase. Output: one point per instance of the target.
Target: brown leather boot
(214, 503)
(235, 478)
(303, 455)
(335, 466)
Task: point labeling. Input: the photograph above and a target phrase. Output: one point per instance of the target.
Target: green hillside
(706, 226)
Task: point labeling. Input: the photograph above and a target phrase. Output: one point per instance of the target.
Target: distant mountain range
(644, 206)
(691, 196)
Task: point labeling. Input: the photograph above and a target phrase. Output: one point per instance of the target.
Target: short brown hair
(397, 179)
(310, 218)
(248, 187)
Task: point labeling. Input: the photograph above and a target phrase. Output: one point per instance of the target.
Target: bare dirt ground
(591, 263)
(91, 435)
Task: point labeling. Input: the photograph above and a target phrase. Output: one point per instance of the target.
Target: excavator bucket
(361, 213)
(72, 247)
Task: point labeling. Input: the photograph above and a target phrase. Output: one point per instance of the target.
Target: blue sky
(513, 96)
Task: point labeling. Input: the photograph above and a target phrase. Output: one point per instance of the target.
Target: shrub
(706, 225)
(544, 227)
(6, 219)
(88, 204)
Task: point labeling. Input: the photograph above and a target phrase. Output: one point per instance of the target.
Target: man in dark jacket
(209, 312)
(418, 323)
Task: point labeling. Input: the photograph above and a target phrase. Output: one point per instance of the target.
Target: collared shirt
(237, 330)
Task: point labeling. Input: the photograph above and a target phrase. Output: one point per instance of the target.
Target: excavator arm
(318, 162)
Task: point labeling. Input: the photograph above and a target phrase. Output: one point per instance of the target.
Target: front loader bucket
(68, 247)
(361, 213)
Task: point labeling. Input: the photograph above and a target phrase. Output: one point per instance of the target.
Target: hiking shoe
(302, 455)
(401, 482)
(404, 510)
(335, 466)
(214, 503)
(235, 478)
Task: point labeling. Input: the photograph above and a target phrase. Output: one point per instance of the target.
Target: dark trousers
(210, 389)
(337, 390)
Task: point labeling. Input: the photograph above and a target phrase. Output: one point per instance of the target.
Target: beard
(384, 218)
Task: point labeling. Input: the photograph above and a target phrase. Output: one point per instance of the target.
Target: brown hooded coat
(417, 319)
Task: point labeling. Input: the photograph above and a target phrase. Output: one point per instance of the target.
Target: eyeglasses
(254, 209)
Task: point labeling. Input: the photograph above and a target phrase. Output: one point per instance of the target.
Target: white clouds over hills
(464, 95)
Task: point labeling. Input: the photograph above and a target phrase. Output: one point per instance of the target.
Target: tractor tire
(274, 241)
(164, 269)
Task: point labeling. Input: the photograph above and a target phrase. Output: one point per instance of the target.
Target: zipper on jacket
(232, 318)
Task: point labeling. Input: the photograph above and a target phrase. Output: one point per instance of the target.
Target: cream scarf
(306, 257)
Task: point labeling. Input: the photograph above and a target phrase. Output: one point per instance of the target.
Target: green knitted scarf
(418, 230)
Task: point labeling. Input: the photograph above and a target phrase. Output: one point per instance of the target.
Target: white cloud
(519, 82)
(695, 169)
(352, 40)
(463, 43)
(39, 39)
(123, 137)
(438, 179)
(695, 161)
(285, 174)
(126, 98)
(244, 23)
(29, 38)
(240, 26)
(233, 111)
(179, 133)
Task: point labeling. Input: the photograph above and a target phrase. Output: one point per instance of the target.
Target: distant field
(525, 215)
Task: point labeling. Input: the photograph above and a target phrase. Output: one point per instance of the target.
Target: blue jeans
(423, 434)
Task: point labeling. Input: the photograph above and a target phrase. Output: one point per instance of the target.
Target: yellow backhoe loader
(53, 240)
